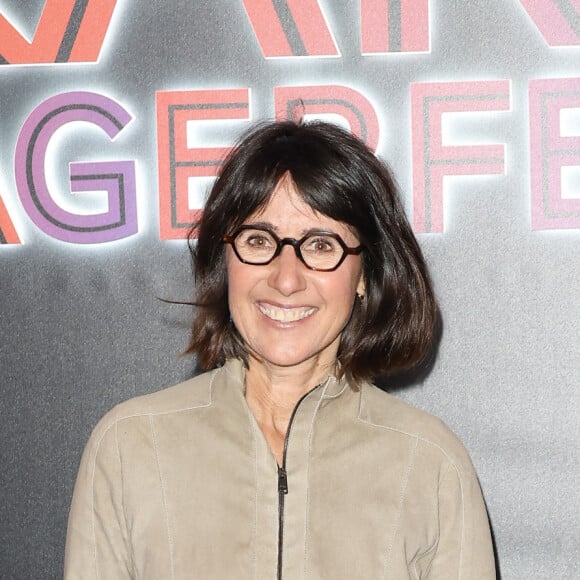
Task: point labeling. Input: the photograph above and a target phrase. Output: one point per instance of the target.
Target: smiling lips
(285, 314)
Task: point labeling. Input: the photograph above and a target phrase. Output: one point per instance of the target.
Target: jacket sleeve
(97, 543)
(464, 550)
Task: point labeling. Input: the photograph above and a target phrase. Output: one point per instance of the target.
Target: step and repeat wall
(114, 117)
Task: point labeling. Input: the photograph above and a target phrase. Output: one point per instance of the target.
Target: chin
(284, 359)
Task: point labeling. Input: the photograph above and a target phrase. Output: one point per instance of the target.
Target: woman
(284, 461)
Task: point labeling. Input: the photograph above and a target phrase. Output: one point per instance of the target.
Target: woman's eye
(321, 245)
(257, 241)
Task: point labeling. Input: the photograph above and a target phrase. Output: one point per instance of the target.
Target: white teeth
(285, 314)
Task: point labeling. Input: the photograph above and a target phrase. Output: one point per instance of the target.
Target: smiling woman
(284, 461)
(291, 317)
(331, 181)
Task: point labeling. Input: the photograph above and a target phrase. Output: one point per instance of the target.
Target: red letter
(388, 26)
(558, 22)
(432, 160)
(92, 31)
(552, 153)
(302, 32)
(56, 38)
(8, 233)
(296, 102)
(177, 161)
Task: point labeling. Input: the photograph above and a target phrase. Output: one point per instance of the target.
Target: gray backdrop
(83, 326)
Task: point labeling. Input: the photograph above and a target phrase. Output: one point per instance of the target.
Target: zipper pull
(282, 481)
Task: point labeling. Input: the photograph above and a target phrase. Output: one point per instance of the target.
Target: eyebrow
(305, 232)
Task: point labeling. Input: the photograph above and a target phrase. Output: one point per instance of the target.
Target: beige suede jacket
(181, 485)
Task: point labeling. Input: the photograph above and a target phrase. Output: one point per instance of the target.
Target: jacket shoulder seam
(416, 436)
(117, 416)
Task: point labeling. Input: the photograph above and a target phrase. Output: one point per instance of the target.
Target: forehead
(289, 215)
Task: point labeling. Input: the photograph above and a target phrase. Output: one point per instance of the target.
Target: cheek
(234, 289)
(234, 271)
(340, 293)
(352, 281)
(241, 280)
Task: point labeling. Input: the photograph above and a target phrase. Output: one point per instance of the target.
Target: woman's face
(288, 315)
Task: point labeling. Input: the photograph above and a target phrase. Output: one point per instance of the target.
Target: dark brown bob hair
(392, 327)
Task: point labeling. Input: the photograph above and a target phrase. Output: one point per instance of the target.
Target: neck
(272, 394)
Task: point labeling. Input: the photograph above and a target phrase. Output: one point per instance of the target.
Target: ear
(360, 289)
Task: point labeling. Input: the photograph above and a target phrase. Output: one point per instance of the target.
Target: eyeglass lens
(320, 251)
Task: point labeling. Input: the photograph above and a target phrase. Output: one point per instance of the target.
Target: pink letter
(116, 177)
(551, 152)
(432, 160)
(557, 21)
(389, 26)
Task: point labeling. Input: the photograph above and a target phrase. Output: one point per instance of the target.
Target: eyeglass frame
(280, 242)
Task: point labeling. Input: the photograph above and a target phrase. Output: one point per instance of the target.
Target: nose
(287, 272)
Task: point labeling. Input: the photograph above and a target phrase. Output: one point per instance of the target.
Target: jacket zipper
(283, 485)
(282, 491)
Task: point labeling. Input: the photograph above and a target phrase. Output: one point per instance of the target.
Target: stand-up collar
(331, 387)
